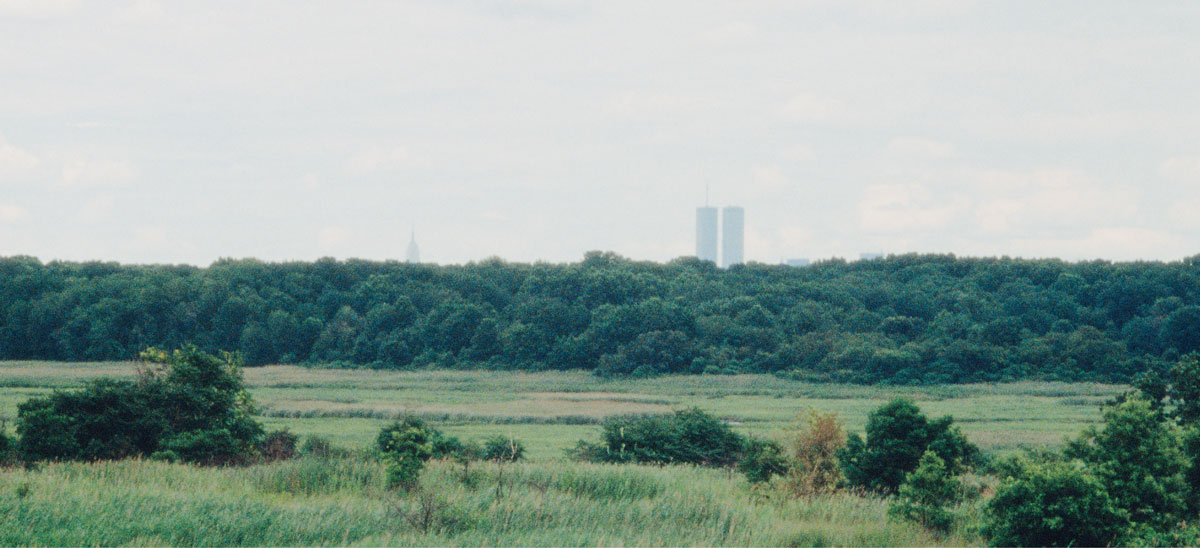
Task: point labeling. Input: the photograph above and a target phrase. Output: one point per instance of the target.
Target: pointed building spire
(414, 251)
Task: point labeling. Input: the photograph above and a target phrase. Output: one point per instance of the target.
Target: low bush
(187, 405)
(688, 436)
(317, 446)
(762, 459)
(278, 445)
(1056, 504)
(503, 449)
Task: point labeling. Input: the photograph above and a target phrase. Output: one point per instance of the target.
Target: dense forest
(902, 319)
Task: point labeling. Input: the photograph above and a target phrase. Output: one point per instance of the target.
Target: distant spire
(705, 194)
(414, 251)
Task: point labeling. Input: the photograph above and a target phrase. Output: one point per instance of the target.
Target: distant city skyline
(143, 131)
(733, 236)
(413, 253)
(706, 233)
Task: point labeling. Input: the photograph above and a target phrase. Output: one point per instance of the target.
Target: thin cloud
(11, 213)
(98, 173)
(15, 161)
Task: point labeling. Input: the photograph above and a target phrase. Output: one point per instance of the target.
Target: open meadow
(550, 411)
(547, 500)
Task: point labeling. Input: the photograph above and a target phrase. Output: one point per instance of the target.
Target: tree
(1182, 329)
(185, 405)
(925, 494)
(1058, 504)
(406, 445)
(897, 434)
(1140, 461)
(1185, 389)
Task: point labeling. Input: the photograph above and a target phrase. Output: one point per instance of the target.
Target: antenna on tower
(705, 194)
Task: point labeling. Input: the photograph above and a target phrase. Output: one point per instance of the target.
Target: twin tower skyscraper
(732, 234)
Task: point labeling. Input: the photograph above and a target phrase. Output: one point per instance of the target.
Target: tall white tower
(733, 219)
(706, 233)
(413, 255)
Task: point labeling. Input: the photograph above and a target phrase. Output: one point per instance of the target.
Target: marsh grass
(545, 502)
(312, 501)
(551, 410)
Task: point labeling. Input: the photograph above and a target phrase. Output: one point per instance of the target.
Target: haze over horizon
(161, 132)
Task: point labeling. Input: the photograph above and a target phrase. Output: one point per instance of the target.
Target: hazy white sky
(183, 132)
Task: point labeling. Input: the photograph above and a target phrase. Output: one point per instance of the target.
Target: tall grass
(339, 501)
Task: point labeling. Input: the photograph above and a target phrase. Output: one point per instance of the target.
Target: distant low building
(869, 256)
(798, 262)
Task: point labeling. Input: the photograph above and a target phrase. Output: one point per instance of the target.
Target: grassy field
(546, 501)
(311, 501)
(550, 411)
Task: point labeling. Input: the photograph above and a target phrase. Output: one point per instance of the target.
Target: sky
(184, 132)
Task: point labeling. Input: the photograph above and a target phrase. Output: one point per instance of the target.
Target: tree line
(902, 319)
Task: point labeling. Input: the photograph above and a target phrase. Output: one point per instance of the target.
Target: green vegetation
(340, 501)
(334, 495)
(688, 436)
(185, 406)
(927, 492)
(904, 320)
(897, 437)
(405, 446)
(550, 411)
(1125, 483)
(1059, 504)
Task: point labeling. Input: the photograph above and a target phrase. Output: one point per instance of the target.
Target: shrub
(8, 448)
(1059, 504)
(317, 446)
(815, 470)
(503, 449)
(688, 436)
(207, 447)
(278, 445)
(192, 404)
(444, 446)
(1140, 461)
(762, 459)
(897, 436)
(405, 444)
(925, 494)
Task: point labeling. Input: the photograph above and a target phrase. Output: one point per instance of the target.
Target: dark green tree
(897, 435)
(1058, 504)
(405, 445)
(1140, 460)
(186, 405)
(926, 493)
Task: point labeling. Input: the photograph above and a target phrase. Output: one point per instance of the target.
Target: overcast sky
(158, 132)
